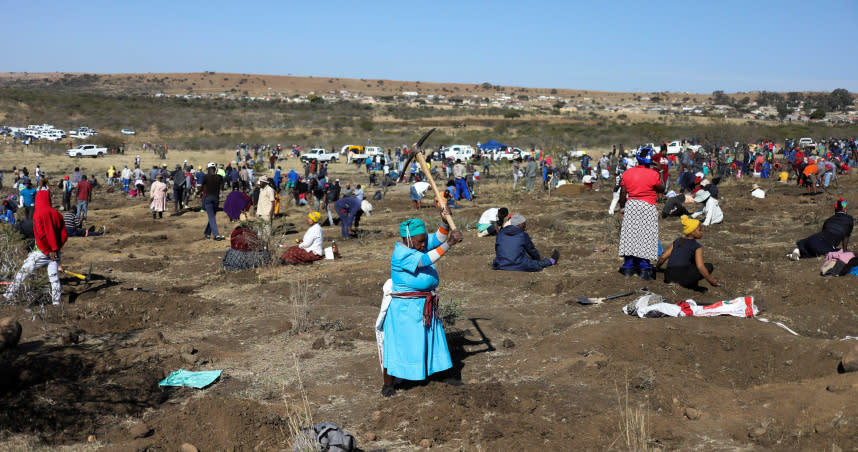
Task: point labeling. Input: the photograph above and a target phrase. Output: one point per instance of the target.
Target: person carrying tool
(49, 230)
(414, 342)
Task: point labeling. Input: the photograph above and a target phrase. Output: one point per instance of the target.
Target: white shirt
(421, 187)
(265, 204)
(489, 216)
(312, 240)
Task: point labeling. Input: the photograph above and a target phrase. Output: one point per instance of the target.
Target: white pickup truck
(321, 155)
(675, 147)
(87, 150)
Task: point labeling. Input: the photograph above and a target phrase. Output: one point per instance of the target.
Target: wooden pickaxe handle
(421, 159)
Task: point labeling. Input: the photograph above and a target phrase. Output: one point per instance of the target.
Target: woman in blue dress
(414, 342)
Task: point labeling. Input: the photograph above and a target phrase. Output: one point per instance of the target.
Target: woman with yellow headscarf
(684, 258)
(309, 249)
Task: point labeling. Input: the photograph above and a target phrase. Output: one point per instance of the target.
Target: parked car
(321, 155)
(87, 150)
(128, 132)
(509, 153)
(459, 152)
(675, 147)
(806, 143)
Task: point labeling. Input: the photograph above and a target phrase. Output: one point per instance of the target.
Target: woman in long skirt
(158, 195)
(639, 233)
(414, 342)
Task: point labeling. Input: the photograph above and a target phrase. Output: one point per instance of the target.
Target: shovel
(600, 300)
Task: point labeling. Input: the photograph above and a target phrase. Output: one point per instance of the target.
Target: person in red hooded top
(49, 230)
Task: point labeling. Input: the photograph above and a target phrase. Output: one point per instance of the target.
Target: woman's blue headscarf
(412, 227)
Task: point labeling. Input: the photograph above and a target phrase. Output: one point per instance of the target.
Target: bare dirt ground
(541, 371)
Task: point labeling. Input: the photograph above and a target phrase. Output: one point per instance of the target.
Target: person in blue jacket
(514, 250)
(350, 211)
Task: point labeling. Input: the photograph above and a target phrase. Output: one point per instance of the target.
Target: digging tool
(84, 278)
(417, 147)
(439, 196)
(600, 300)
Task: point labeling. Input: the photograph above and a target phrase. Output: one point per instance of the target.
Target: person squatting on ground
(639, 232)
(414, 342)
(491, 221)
(74, 227)
(514, 250)
(835, 230)
(210, 192)
(158, 195)
(350, 211)
(685, 258)
(309, 249)
(49, 230)
(709, 210)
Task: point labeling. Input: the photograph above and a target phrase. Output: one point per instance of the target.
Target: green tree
(818, 114)
(840, 98)
(719, 98)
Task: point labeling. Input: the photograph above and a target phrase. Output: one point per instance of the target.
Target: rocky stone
(90, 439)
(188, 349)
(849, 362)
(10, 333)
(140, 431)
(188, 358)
(72, 337)
(692, 414)
(369, 436)
(425, 443)
(319, 344)
(508, 343)
(376, 415)
(757, 432)
(188, 447)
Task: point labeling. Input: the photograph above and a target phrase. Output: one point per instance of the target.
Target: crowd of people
(414, 346)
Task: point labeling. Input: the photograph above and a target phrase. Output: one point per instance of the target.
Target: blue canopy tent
(492, 145)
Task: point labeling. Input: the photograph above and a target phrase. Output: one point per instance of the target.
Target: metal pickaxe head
(418, 148)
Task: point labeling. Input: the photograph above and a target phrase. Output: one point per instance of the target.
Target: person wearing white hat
(265, 204)
(710, 208)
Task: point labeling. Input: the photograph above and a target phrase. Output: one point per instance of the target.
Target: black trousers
(688, 277)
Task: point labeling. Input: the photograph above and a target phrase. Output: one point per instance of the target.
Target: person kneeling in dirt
(50, 235)
(491, 220)
(309, 249)
(684, 258)
(514, 250)
(836, 230)
(245, 251)
(74, 227)
(415, 346)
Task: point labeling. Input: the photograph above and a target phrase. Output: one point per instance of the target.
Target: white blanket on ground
(653, 306)
(387, 289)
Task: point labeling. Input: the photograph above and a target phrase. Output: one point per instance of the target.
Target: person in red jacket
(49, 230)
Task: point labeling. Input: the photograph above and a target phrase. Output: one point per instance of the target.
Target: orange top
(809, 169)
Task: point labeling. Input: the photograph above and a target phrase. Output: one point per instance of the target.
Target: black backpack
(325, 436)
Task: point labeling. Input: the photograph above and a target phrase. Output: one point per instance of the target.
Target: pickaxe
(421, 159)
(84, 278)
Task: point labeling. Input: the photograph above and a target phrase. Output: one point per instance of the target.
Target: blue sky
(695, 46)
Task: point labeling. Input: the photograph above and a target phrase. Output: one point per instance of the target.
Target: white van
(459, 152)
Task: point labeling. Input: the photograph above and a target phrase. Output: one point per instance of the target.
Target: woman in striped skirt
(639, 233)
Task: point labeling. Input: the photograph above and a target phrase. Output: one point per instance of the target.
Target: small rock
(70, 338)
(140, 431)
(823, 428)
(425, 443)
(188, 447)
(757, 433)
(376, 415)
(849, 362)
(837, 388)
(10, 333)
(692, 414)
(369, 436)
(90, 439)
(318, 344)
(508, 343)
(187, 348)
(188, 358)
(464, 422)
